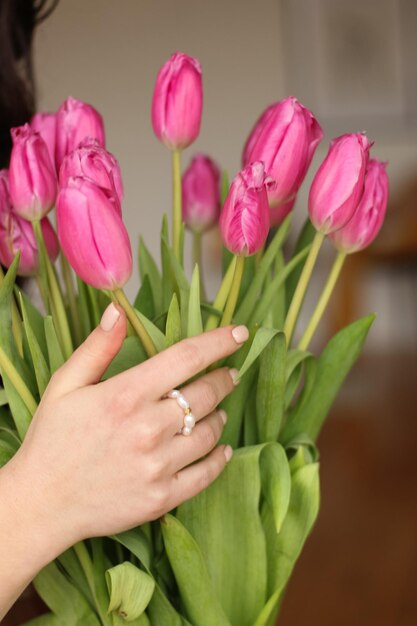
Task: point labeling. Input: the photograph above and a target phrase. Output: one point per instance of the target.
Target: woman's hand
(102, 457)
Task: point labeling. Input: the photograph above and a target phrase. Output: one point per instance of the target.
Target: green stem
(221, 297)
(43, 293)
(17, 381)
(197, 259)
(300, 292)
(16, 320)
(135, 321)
(177, 203)
(323, 301)
(55, 294)
(72, 299)
(234, 291)
(83, 556)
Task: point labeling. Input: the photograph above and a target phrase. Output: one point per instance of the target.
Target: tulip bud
(75, 121)
(17, 234)
(177, 101)
(244, 220)
(33, 184)
(278, 213)
(93, 162)
(45, 125)
(92, 235)
(285, 138)
(367, 220)
(338, 185)
(201, 194)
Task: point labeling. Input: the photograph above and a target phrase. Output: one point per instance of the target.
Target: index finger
(185, 359)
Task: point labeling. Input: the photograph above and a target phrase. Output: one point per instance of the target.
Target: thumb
(90, 360)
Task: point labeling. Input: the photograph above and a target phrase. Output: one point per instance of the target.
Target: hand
(101, 457)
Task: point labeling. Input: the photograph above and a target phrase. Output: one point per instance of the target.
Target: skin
(102, 457)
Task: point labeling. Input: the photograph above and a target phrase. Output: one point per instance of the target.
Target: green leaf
(181, 283)
(305, 239)
(194, 322)
(271, 388)
(40, 366)
(285, 547)
(49, 619)
(6, 452)
(158, 338)
(148, 267)
(167, 274)
(262, 338)
(248, 303)
(56, 358)
(3, 397)
(294, 372)
(136, 541)
(250, 428)
(225, 522)
(144, 299)
(269, 294)
(224, 187)
(36, 321)
(131, 353)
(83, 308)
(189, 566)
(173, 324)
(278, 302)
(333, 366)
(130, 590)
(63, 599)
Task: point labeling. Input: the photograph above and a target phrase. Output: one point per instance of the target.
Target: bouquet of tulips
(223, 558)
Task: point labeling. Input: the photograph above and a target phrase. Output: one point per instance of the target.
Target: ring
(189, 419)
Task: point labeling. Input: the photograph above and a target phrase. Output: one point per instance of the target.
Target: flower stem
(135, 321)
(83, 556)
(55, 293)
(234, 291)
(197, 260)
(17, 381)
(300, 292)
(221, 297)
(177, 204)
(323, 301)
(72, 300)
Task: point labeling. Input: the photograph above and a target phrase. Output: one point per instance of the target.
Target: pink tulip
(92, 235)
(201, 194)
(338, 185)
(244, 220)
(177, 101)
(278, 213)
(76, 120)
(45, 125)
(33, 184)
(285, 138)
(17, 234)
(93, 162)
(367, 220)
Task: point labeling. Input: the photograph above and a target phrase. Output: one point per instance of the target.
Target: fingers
(91, 359)
(184, 360)
(203, 396)
(190, 481)
(185, 450)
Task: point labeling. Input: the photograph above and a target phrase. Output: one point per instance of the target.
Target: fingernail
(223, 415)
(109, 318)
(228, 453)
(240, 334)
(234, 375)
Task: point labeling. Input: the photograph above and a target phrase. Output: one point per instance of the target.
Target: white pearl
(174, 394)
(187, 431)
(189, 420)
(183, 402)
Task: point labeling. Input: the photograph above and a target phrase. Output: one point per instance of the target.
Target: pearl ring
(189, 419)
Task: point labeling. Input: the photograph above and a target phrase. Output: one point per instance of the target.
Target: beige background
(108, 52)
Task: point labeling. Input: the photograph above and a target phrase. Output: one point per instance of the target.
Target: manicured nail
(228, 453)
(240, 334)
(109, 318)
(234, 375)
(223, 415)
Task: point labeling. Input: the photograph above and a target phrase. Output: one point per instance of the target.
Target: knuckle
(149, 434)
(209, 395)
(119, 403)
(156, 468)
(191, 355)
(208, 436)
(158, 501)
(205, 479)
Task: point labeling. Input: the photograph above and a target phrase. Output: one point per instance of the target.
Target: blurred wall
(108, 52)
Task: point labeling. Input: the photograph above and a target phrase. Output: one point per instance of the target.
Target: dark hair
(18, 19)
